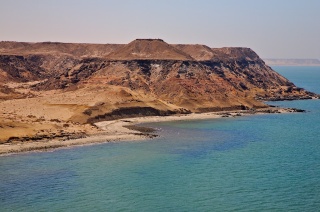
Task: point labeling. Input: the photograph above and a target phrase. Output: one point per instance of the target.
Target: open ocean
(251, 163)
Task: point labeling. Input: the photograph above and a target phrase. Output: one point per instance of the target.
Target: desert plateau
(56, 94)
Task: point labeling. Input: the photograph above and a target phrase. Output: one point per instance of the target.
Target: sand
(116, 131)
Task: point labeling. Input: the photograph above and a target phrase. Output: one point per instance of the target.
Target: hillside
(57, 89)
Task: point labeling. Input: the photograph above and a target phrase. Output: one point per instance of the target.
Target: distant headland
(292, 62)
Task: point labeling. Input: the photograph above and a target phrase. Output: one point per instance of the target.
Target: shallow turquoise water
(251, 163)
(305, 77)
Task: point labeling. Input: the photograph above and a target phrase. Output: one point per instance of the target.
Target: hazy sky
(273, 28)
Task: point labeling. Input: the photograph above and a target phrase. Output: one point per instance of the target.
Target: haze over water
(252, 163)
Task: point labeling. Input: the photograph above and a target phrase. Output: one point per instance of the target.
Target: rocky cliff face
(148, 74)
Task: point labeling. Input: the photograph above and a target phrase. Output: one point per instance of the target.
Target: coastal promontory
(59, 90)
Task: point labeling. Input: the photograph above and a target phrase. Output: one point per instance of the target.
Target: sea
(268, 162)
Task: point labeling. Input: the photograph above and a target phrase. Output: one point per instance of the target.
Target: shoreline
(125, 129)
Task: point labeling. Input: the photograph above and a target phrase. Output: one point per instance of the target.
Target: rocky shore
(63, 94)
(127, 129)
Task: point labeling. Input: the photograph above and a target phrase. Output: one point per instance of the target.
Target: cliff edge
(60, 89)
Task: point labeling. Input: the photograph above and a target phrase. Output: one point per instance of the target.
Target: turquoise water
(305, 77)
(250, 163)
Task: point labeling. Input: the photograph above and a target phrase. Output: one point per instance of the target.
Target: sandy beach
(125, 130)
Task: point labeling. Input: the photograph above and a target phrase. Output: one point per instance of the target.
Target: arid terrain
(60, 90)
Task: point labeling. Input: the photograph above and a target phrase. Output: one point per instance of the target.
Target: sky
(272, 28)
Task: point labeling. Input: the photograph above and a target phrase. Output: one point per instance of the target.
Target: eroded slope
(66, 87)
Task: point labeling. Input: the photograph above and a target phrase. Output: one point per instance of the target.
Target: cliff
(63, 84)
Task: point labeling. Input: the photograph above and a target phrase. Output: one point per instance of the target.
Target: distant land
(292, 62)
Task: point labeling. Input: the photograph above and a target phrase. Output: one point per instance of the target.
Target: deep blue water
(250, 163)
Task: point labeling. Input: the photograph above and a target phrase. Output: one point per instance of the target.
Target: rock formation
(91, 82)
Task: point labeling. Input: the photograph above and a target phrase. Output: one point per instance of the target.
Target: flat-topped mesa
(58, 49)
(182, 74)
(235, 53)
(149, 49)
(149, 39)
(205, 53)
